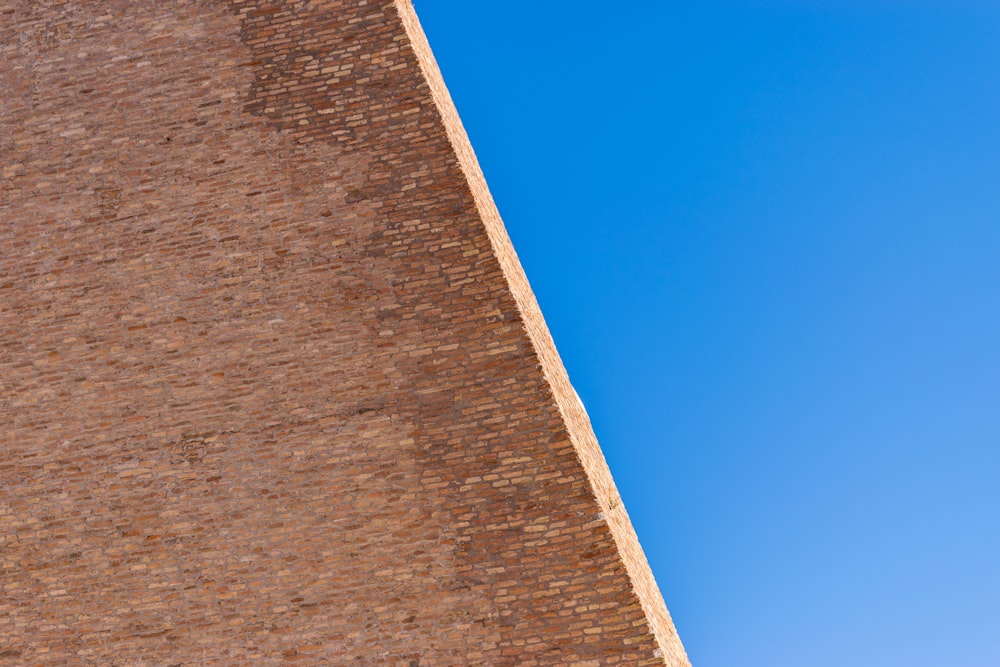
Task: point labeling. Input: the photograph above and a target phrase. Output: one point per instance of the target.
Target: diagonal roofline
(575, 417)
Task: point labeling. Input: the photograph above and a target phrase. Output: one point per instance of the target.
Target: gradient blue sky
(766, 237)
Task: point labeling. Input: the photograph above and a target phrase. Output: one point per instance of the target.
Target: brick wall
(272, 385)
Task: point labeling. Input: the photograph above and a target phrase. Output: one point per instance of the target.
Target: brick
(273, 385)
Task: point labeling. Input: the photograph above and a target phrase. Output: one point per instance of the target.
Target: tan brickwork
(273, 387)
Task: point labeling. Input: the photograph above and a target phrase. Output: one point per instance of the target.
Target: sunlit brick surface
(267, 394)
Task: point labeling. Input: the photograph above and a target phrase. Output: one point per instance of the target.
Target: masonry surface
(273, 388)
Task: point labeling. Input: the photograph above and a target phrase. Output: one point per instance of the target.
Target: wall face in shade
(269, 388)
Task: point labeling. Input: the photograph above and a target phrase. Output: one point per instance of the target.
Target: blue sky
(766, 237)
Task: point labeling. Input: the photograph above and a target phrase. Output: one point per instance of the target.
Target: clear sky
(766, 237)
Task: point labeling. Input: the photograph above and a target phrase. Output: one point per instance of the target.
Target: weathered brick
(273, 386)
